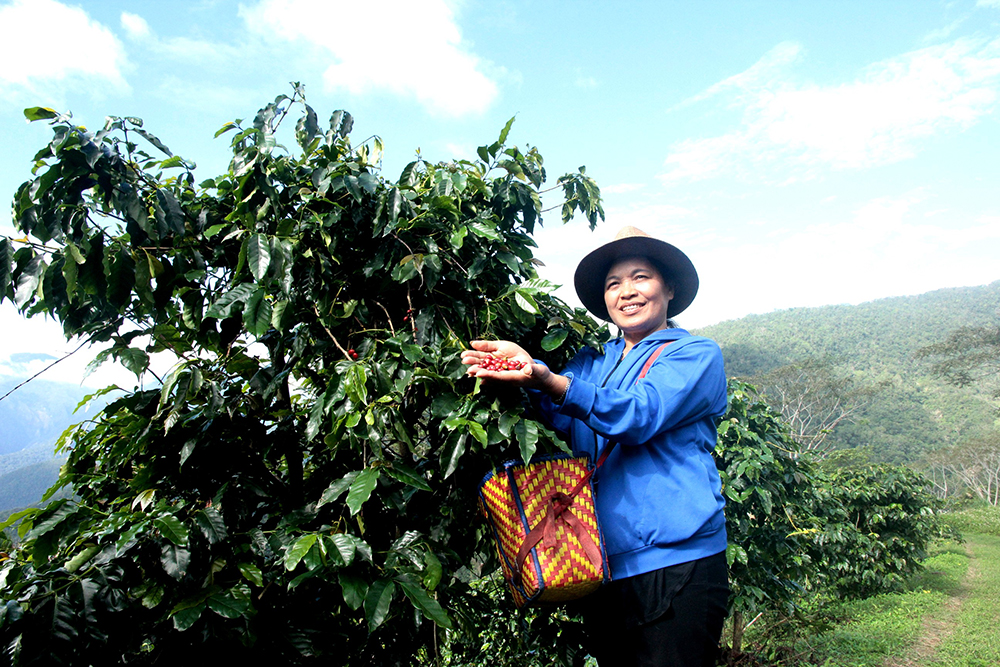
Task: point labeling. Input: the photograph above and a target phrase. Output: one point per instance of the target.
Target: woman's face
(637, 298)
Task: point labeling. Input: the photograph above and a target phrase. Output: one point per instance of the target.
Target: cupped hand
(529, 375)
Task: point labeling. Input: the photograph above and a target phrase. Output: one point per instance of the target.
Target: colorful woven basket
(543, 518)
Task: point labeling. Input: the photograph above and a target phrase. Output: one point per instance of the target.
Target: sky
(801, 153)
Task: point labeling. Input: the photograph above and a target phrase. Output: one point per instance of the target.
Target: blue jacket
(659, 496)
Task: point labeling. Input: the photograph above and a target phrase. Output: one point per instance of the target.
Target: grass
(982, 519)
(975, 639)
(869, 632)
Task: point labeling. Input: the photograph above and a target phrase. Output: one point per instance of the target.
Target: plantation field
(947, 618)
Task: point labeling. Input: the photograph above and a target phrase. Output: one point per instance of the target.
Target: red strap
(558, 511)
(645, 369)
(545, 532)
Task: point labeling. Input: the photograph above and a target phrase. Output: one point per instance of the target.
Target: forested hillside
(874, 344)
(31, 420)
(36, 413)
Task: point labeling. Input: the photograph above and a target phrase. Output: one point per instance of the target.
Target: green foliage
(877, 524)
(876, 344)
(301, 485)
(982, 519)
(797, 527)
(769, 491)
(968, 355)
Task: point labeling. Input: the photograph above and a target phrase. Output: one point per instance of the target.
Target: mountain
(36, 413)
(31, 420)
(876, 342)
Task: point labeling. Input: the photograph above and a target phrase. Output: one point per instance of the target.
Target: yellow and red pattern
(514, 509)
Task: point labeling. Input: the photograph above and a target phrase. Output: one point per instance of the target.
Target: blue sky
(801, 153)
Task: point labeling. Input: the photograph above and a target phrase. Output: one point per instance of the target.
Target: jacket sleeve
(686, 383)
(549, 411)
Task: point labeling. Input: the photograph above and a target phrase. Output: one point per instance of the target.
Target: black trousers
(670, 617)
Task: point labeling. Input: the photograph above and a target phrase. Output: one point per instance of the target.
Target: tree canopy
(298, 485)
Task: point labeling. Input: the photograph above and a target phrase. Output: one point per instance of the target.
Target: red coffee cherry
(492, 363)
(352, 354)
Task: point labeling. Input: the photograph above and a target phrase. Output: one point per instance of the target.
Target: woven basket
(543, 518)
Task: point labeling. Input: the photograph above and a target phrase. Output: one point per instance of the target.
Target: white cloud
(135, 26)
(988, 3)
(621, 188)
(886, 247)
(67, 34)
(584, 81)
(385, 45)
(793, 130)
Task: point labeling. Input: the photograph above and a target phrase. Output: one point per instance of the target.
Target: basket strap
(559, 503)
(545, 532)
(611, 445)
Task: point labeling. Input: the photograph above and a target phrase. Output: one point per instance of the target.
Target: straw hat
(673, 264)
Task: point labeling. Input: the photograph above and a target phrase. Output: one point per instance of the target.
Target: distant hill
(876, 341)
(36, 413)
(31, 420)
(25, 486)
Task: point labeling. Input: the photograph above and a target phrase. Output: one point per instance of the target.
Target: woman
(658, 495)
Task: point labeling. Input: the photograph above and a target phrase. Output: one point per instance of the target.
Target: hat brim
(673, 264)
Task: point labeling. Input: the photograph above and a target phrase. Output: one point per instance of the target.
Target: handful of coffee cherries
(492, 363)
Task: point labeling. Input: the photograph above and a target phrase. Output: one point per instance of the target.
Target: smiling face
(637, 298)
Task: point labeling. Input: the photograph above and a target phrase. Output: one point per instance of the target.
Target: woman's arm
(686, 383)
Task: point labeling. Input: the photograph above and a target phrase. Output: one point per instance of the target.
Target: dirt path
(937, 626)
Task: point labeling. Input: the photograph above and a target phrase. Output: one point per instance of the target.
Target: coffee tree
(301, 483)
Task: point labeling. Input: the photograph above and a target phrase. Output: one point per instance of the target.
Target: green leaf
(395, 203)
(354, 589)
(527, 437)
(27, 282)
(257, 314)
(152, 139)
(554, 339)
(230, 604)
(357, 384)
(484, 230)
(225, 128)
(172, 529)
(135, 360)
(6, 264)
(361, 489)
(413, 353)
(453, 451)
(212, 525)
(214, 229)
(307, 128)
(343, 545)
(377, 602)
(185, 618)
(223, 307)
(427, 605)
(407, 475)
(338, 487)
(168, 212)
(526, 302)
(457, 238)
(478, 432)
(175, 560)
(506, 130)
(507, 422)
(433, 570)
(258, 255)
(39, 113)
(297, 551)
(252, 574)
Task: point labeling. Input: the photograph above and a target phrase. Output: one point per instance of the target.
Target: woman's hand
(530, 375)
(483, 349)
